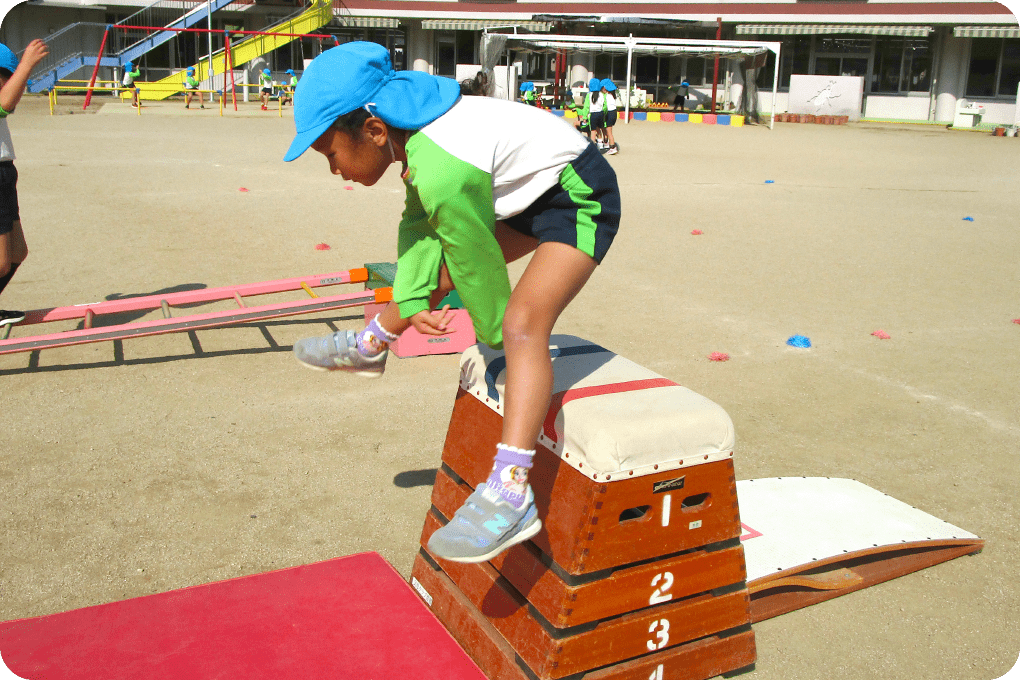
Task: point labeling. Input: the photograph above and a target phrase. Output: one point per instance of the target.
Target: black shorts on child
(597, 120)
(611, 118)
(8, 196)
(583, 210)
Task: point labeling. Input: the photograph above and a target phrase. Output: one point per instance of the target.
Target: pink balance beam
(347, 618)
(189, 323)
(149, 302)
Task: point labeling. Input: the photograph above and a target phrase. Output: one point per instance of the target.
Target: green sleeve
(137, 72)
(450, 216)
(586, 109)
(419, 257)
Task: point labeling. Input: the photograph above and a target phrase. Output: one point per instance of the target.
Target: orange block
(483, 634)
(589, 525)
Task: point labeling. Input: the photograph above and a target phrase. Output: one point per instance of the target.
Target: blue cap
(290, 71)
(524, 86)
(266, 71)
(360, 74)
(685, 83)
(608, 85)
(191, 70)
(594, 85)
(8, 60)
(128, 66)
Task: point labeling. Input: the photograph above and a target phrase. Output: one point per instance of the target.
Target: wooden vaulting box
(638, 569)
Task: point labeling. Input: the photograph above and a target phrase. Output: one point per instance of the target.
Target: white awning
(480, 24)
(369, 22)
(986, 32)
(832, 29)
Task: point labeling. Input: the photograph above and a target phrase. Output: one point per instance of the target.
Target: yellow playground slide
(316, 16)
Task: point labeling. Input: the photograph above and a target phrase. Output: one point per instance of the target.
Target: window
(694, 70)
(994, 67)
(796, 57)
(390, 38)
(1009, 74)
(888, 69)
(917, 65)
(452, 48)
(841, 56)
(446, 56)
(612, 66)
(984, 57)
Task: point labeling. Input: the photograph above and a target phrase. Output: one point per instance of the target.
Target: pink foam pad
(414, 344)
(350, 617)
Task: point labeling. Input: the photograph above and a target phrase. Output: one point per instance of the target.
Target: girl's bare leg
(553, 277)
(13, 249)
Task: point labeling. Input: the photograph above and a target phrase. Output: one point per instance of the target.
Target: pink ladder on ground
(170, 324)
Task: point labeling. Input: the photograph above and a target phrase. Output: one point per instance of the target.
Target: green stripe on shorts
(580, 193)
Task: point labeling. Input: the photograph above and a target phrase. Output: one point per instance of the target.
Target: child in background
(597, 117)
(265, 87)
(191, 88)
(679, 95)
(287, 91)
(582, 122)
(130, 73)
(488, 181)
(610, 115)
(13, 249)
(528, 93)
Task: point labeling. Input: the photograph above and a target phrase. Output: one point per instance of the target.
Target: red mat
(350, 618)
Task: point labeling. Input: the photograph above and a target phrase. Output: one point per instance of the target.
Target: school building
(918, 59)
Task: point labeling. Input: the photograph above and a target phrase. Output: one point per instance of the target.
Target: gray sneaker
(9, 317)
(339, 352)
(481, 529)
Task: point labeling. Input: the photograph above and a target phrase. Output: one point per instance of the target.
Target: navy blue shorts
(9, 213)
(597, 120)
(611, 118)
(583, 210)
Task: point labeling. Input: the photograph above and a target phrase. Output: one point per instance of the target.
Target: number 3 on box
(661, 593)
(661, 630)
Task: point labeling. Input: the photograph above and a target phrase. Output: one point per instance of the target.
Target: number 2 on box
(661, 593)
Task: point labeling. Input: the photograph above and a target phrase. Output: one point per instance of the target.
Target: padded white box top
(610, 418)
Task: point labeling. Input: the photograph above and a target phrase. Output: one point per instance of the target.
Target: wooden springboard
(810, 539)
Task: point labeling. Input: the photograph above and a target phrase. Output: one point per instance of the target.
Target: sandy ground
(154, 464)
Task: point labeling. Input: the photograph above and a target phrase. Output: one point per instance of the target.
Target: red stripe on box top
(561, 398)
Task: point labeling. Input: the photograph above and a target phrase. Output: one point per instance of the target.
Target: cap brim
(305, 139)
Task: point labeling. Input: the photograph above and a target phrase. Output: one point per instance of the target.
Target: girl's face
(362, 157)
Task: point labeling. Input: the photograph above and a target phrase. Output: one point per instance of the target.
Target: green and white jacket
(483, 160)
(6, 144)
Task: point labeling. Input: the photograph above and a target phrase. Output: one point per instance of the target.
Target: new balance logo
(497, 524)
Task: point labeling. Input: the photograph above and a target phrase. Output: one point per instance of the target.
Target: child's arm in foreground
(12, 90)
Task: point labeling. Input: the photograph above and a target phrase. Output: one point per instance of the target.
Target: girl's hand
(430, 322)
(34, 53)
